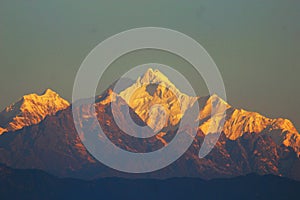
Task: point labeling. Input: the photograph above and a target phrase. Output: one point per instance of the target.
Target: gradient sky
(256, 45)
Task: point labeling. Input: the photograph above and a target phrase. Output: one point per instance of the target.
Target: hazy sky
(256, 45)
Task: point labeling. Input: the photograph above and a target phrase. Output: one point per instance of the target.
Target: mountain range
(38, 132)
(36, 184)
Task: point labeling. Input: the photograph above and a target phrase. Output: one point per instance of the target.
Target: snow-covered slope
(31, 109)
(154, 98)
(239, 121)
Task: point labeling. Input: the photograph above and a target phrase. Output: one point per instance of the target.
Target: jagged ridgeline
(39, 132)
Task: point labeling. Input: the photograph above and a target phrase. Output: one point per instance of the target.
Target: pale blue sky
(255, 44)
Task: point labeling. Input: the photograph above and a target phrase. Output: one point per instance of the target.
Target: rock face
(2, 130)
(249, 141)
(31, 109)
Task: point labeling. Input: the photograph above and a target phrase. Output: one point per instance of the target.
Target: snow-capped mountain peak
(154, 76)
(239, 122)
(31, 109)
(153, 89)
